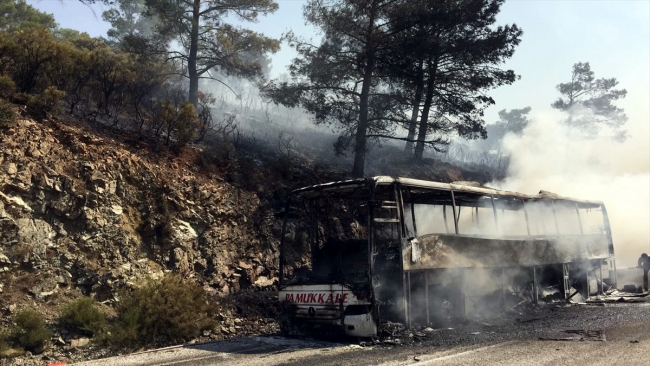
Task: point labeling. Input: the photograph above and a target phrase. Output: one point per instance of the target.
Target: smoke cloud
(546, 157)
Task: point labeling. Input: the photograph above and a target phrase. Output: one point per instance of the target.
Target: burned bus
(359, 252)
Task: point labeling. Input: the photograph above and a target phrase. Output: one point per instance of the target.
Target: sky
(613, 36)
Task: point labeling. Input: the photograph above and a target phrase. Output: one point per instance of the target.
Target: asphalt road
(619, 334)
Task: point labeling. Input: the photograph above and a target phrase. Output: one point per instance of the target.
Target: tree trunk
(191, 60)
(408, 149)
(362, 127)
(422, 132)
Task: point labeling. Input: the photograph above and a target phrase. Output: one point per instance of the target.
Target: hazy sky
(613, 36)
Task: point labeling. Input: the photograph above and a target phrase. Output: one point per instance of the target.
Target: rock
(15, 201)
(46, 182)
(184, 231)
(245, 265)
(65, 278)
(79, 342)
(180, 260)
(63, 205)
(61, 231)
(23, 181)
(87, 280)
(200, 265)
(11, 168)
(59, 341)
(263, 281)
(37, 235)
(116, 209)
(87, 166)
(101, 185)
(45, 288)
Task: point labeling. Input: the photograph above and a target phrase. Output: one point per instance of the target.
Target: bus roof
(457, 187)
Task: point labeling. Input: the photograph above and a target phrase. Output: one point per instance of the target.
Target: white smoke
(546, 158)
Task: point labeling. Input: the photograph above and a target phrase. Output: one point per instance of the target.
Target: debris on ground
(617, 296)
(576, 297)
(631, 288)
(579, 335)
(529, 319)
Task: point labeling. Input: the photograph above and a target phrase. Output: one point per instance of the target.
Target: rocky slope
(85, 212)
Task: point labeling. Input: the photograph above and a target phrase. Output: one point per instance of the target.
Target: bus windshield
(326, 241)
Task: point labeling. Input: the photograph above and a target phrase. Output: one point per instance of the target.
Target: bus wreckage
(359, 252)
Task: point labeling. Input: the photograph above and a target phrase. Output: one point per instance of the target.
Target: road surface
(617, 334)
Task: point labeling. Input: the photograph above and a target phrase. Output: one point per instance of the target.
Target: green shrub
(21, 98)
(169, 310)
(7, 87)
(5, 349)
(52, 98)
(4, 334)
(187, 125)
(46, 104)
(84, 315)
(7, 114)
(29, 329)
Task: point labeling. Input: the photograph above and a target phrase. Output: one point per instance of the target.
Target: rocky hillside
(86, 211)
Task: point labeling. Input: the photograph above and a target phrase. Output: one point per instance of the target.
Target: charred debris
(382, 256)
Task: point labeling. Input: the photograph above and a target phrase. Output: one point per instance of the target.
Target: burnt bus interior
(435, 253)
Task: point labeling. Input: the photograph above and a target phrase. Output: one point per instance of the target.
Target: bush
(84, 315)
(187, 124)
(7, 87)
(4, 334)
(5, 349)
(29, 329)
(7, 114)
(170, 310)
(222, 155)
(283, 166)
(21, 98)
(46, 104)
